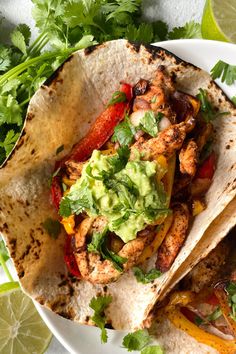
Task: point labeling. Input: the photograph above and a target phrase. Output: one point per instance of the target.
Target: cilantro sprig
(224, 71)
(99, 305)
(65, 26)
(207, 110)
(99, 245)
(139, 340)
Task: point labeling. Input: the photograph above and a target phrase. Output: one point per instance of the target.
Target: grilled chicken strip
(92, 267)
(188, 158)
(174, 239)
(165, 143)
(207, 271)
(155, 96)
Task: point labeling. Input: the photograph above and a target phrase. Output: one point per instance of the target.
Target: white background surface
(174, 12)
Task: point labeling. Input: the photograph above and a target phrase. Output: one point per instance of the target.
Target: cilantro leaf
(208, 113)
(3, 251)
(97, 241)
(10, 111)
(136, 340)
(9, 141)
(149, 123)
(5, 58)
(124, 133)
(160, 31)
(152, 349)
(18, 40)
(148, 277)
(143, 33)
(225, 71)
(117, 97)
(53, 227)
(233, 99)
(59, 149)
(99, 305)
(231, 290)
(99, 245)
(189, 30)
(118, 162)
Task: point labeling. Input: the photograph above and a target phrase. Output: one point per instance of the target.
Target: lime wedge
(22, 331)
(219, 20)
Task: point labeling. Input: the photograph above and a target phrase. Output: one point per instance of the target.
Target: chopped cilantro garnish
(117, 97)
(225, 71)
(99, 245)
(124, 133)
(53, 227)
(136, 340)
(99, 304)
(208, 112)
(59, 149)
(149, 123)
(148, 277)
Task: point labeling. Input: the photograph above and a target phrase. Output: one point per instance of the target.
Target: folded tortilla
(60, 113)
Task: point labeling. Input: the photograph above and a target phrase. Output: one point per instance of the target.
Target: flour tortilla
(60, 113)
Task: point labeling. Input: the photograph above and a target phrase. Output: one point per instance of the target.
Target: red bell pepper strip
(98, 134)
(69, 258)
(102, 129)
(207, 169)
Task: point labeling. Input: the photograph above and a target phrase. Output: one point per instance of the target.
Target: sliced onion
(164, 123)
(136, 116)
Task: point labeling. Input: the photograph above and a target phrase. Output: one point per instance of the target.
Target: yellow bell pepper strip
(68, 182)
(162, 167)
(69, 224)
(225, 308)
(110, 151)
(166, 221)
(197, 207)
(173, 313)
(182, 298)
(181, 322)
(161, 233)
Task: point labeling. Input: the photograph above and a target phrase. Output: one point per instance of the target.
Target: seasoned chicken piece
(208, 270)
(156, 95)
(74, 169)
(188, 158)
(174, 239)
(167, 141)
(97, 270)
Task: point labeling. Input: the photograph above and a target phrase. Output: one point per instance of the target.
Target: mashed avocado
(128, 196)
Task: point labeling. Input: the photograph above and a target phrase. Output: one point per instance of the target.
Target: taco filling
(132, 185)
(205, 304)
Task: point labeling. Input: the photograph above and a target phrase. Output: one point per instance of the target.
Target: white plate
(86, 340)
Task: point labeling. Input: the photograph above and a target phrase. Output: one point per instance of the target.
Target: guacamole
(129, 197)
